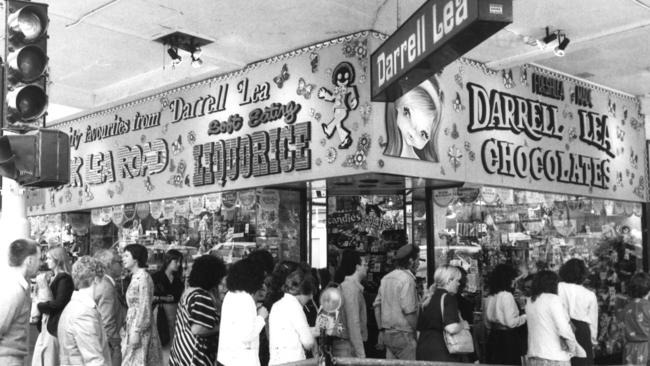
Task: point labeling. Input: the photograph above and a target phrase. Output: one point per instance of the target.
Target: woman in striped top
(197, 322)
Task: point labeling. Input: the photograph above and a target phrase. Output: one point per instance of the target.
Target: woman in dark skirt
(432, 322)
(505, 344)
(582, 306)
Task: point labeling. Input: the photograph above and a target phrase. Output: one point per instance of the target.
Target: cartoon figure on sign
(345, 98)
(413, 121)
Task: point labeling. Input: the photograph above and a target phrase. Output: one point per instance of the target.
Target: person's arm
(105, 300)
(409, 303)
(86, 329)
(352, 306)
(61, 296)
(562, 324)
(593, 317)
(377, 306)
(509, 310)
(9, 307)
(142, 319)
(450, 318)
(250, 322)
(177, 289)
(203, 315)
(299, 322)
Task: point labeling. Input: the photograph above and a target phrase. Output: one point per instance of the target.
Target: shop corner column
(13, 219)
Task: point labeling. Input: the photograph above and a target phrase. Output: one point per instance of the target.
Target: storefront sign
(438, 33)
(344, 218)
(527, 128)
(270, 123)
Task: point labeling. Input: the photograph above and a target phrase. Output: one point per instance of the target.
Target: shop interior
(473, 227)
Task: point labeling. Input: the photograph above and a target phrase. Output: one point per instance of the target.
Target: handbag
(460, 342)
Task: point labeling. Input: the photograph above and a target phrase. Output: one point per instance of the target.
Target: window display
(478, 228)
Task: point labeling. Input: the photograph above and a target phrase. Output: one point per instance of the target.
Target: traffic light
(36, 159)
(25, 71)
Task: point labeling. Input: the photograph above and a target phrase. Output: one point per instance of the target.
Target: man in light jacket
(108, 302)
(354, 305)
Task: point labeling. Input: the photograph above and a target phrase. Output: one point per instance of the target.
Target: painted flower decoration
(191, 137)
(68, 196)
(458, 104)
(148, 185)
(318, 161)
(331, 155)
(363, 143)
(349, 49)
(365, 111)
(455, 156)
(362, 49)
(359, 158)
(573, 134)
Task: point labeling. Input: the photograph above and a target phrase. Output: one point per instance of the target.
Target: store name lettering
(256, 154)
(132, 161)
(256, 117)
(183, 110)
(393, 63)
(339, 218)
(581, 96)
(497, 110)
(508, 159)
(595, 132)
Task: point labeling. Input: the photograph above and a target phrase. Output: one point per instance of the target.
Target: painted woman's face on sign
(417, 117)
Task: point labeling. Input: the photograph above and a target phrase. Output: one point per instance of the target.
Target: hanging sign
(182, 206)
(213, 201)
(156, 209)
(169, 209)
(196, 204)
(142, 209)
(438, 33)
(129, 212)
(117, 214)
(443, 197)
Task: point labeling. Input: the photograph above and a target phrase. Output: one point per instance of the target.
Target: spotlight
(196, 62)
(549, 38)
(173, 53)
(559, 50)
(197, 52)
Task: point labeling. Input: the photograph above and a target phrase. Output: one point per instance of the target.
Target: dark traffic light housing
(25, 71)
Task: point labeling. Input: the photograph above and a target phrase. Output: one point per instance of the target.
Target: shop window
(478, 228)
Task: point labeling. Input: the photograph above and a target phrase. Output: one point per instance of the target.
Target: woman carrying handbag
(440, 319)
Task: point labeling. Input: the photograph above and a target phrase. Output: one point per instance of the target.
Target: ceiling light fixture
(560, 49)
(173, 54)
(550, 37)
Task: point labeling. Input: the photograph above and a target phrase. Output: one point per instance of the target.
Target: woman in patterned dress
(636, 317)
(140, 342)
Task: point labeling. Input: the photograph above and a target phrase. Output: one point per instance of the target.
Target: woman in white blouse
(582, 306)
(502, 317)
(241, 319)
(289, 332)
(551, 341)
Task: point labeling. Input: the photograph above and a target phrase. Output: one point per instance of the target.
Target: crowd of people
(256, 312)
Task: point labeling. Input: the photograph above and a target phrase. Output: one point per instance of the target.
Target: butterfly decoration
(508, 81)
(442, 171)
(148, 185)
(164, 102)
(52, 199)
(365, 111)
(176, 180)
(304, 88)
(331, 155)
(523, 76)
(467, 145)
(315, 115)
(611, 106)
(455, 156)
(88, 194)
(165, 128)
(143, 138)
(573, 134)
(635, 123)
(624, 117)
(619, 178)
(458, 78)
(177, 146)
(634, 159)
(119, 188)
(187, 181)
(620, 133)
(110, 193)
(566, 113)
(191, 137)
(472, 156)
(314, 59)
(284, 76)
(68, 196)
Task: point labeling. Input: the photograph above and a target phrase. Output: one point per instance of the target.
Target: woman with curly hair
(241, 319)
(503, 318)
(197, 324)
(82, 340)
(582, 306)
(140, 344)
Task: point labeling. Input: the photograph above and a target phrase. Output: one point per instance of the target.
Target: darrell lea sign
(439, 32)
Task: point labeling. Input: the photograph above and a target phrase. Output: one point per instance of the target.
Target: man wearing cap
(396, 305)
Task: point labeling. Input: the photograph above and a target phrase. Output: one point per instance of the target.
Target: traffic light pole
(13, 219)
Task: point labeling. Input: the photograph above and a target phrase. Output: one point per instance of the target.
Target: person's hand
(168, 298)
(134, 339)
(380, 341)
(261, 311)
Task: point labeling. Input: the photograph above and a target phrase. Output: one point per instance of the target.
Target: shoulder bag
(460, 342)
